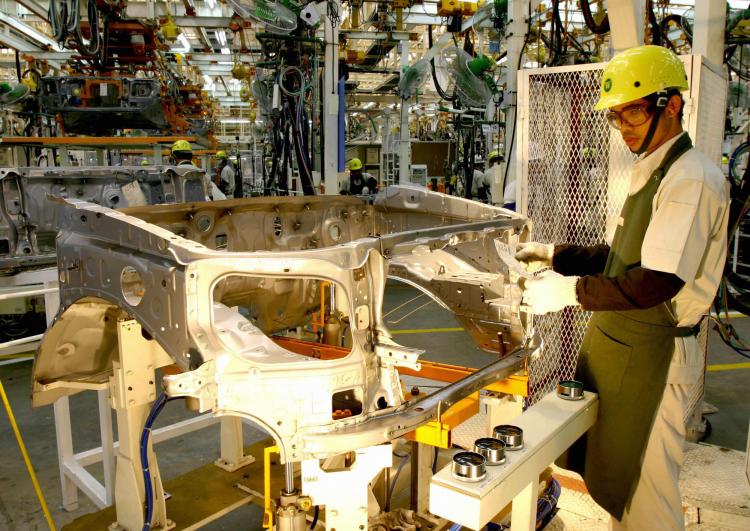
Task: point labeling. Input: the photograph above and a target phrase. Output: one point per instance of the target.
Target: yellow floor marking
(729, 366)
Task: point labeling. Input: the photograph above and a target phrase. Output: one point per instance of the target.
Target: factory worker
(359, 183)
(481, 185)
(226, 173)
(182, 156)
(648, 289)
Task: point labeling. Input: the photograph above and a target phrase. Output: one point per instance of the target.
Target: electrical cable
(439, 89)
(314, 522)
(556, 50)
(18, 66)
(156, 408)
(395, 478)
(655, 28)
(599, 29)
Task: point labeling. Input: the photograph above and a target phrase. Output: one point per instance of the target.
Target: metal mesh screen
(577, 181)
(574, 179)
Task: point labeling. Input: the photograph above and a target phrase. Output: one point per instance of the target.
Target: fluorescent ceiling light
(185, 42)
(235, 121)
(226, 51)
(211, 3)
(368, 105)
(222, 37)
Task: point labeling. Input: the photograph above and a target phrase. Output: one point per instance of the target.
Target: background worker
(649, 288)
(182, 157)
(359, 182)
(225, 174)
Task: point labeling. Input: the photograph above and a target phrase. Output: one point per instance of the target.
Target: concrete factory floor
(417, 320)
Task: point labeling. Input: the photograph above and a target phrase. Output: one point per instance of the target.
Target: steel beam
(404, 145)
(27, 30)
(330, 97)
(200, 57)
(708, 30)
(35, 8)
(628, 31)
(203, 22)
(377, 35)
(518, 11)
(37, 53)
(148, 9)
(12, 41)
(203, 37)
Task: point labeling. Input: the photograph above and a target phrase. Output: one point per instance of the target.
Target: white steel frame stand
(133, 391)
(73, 473)
(345, 492)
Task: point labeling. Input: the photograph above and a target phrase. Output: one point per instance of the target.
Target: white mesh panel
(570, 198)
(574, 179)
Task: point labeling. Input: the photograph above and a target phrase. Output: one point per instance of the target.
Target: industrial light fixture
(211, 3)
(235, 121)
(221, 37)
(185, 43)
(226, 51)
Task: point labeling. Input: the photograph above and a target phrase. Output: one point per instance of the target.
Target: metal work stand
(130, 392)
(133, 391)
(345, 492)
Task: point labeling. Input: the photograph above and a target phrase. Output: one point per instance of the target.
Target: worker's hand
(535, 255)
(549, 292)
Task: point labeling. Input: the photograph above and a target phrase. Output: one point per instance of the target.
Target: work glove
(535, 255)
(549, 292)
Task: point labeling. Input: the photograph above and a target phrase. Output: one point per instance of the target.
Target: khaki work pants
(656, 504)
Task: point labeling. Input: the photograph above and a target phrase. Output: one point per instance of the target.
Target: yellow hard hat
(182, 145)
(638, 72)
(355, 164)
(144, 162)
(495, 154)
(588, 152)
(221, 154)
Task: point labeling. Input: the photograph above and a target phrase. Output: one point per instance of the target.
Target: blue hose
(145, 435)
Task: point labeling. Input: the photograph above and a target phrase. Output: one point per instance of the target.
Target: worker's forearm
(639, 288)
(579, 260)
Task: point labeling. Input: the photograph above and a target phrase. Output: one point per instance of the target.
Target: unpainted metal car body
(217, 283)
(97, 105)
(28, 224)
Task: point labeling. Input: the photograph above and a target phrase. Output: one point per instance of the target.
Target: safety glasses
(632, 116)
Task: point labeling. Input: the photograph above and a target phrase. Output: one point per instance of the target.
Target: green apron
(625, 357)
